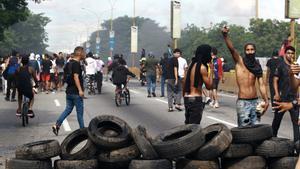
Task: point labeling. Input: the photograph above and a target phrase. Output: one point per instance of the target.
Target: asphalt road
(150, 112)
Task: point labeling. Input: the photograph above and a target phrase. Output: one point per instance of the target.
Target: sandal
(55, 129)
(18, 113)
(30, 114)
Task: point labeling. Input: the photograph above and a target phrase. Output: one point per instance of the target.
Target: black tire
(238, 151)
(76, 164)
(118, 158)
(40, 150)
(150, 164)
(88, 151)
(250, 162)
(139, 136)
(179, 141)
(217, 139)
(127, 97)
(27, 164)
(25, 108)
(100, 124)
(196, 164)
(276, 147)
(250, 134)
(118, 99)
(283, 163)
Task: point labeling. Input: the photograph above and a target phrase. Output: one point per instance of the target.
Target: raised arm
(235, 55)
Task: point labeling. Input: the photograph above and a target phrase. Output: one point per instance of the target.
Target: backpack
(67, 76)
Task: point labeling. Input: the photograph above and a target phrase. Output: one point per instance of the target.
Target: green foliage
(266, 34)
(151, 37)
(27, 36)
(11, 12)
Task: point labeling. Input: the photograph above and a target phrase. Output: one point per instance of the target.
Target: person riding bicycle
(24, 76)
(119, 75)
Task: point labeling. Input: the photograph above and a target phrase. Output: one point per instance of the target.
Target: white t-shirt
(100, 64)
(91, 67)
(182, 65)
(298, 76)
(52, 70)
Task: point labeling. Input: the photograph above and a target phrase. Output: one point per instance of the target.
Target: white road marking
(57, 103)
(134, 91)
(162, 101)
(66, 125)
(222, 121)
(65, 122)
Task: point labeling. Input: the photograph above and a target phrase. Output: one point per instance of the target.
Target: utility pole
(293, 31)
(256, 9)
(133, 24)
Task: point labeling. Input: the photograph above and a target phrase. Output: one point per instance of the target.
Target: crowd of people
(189, 86)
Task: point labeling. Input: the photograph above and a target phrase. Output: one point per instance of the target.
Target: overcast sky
(70, 23)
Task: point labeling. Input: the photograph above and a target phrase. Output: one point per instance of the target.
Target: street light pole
(256, 9)
(98, 30)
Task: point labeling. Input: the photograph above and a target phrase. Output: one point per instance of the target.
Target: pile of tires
(110, 143)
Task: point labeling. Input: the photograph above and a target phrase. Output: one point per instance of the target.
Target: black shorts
(26, 93)
(215, 84)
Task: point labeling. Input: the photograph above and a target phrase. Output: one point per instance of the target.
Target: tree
(266, 34)
(11, 12)
(25, 37)
(151, 37)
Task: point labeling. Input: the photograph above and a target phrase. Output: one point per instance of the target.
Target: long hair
(202, 56)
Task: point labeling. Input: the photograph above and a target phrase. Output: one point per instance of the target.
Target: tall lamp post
(98, 30)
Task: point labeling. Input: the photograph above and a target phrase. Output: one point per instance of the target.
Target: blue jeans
(72, 100)
(151, 83)
(246, 112)
(162, 85)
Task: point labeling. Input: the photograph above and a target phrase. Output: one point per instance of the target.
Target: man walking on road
(196, 76)
(284, 92)
(163, 67)
(217, 76)
(271, 67)
(74, 90)
(151, 66)
(182, 66)
(247, 71)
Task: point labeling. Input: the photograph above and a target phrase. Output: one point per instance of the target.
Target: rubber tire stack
(35, 155)
(110, 143)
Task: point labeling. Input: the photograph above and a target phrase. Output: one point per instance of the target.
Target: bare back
(245, 81)
(194, 91)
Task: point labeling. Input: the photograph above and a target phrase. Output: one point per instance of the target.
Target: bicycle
(122, 94)
(24, 112)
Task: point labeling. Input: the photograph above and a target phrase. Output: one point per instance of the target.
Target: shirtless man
(247, 71)
(196, 75)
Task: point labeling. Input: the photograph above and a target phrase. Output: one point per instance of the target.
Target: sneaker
(162, 95)
(30, 114)
(7, 99)
(55, 129)
(13, 100)
(216, 105)
(153, 94)
(212, 103)
(170, 109)
(149, 96)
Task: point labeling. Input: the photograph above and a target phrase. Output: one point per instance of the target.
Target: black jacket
(120, 74)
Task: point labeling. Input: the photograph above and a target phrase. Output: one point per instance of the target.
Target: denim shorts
(246, 111)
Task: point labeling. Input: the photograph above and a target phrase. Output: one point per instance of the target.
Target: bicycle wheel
(127, 97)
(118, 99)
(24, 114)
